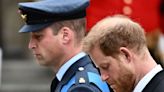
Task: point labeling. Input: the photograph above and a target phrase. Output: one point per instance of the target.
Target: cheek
(47, 48)
(114, 72)
(49, 44)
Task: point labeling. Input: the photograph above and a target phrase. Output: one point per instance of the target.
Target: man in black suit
(57, 28)
(117, 45)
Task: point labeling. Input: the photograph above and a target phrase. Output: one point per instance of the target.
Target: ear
(66, 35)
(126, 53)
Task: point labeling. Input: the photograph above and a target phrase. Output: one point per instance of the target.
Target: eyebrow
(36, 33)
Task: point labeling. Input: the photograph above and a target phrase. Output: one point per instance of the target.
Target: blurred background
(18, 70)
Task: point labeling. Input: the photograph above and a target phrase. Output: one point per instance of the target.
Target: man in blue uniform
(56, 29)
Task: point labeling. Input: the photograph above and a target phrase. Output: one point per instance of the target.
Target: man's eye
(104, 67)
(38, 37)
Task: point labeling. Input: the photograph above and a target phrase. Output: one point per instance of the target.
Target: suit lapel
(154, 82)
(54, 84)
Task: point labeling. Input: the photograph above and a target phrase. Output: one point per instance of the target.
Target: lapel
(54, 84)
(154, 82)
(72, 70)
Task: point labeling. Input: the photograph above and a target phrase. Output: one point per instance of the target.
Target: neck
(146, 64)
(67, 55)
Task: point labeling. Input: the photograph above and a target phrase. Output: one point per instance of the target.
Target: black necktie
(54, 84)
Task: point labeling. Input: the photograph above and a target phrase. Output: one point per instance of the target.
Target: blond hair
(111, 33)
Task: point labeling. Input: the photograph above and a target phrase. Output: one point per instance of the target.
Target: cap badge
(24, 16)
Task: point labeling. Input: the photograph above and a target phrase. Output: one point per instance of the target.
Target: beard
(124, 83)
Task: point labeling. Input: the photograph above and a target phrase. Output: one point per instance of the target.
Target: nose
(32, 44)
(104, 77)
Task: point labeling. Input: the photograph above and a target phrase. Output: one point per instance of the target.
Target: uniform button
(127, 10)
(128, 1)
(81, 80)
(81, 68)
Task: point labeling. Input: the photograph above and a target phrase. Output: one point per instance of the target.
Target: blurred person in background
(144, 12)
(118, 47)
(161, 41)
(56, 29)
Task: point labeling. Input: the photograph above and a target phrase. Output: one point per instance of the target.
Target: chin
(45, 64)
(42, 63)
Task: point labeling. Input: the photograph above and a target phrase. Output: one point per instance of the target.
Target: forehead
(97, 56)
(35, 33)
(43, 31)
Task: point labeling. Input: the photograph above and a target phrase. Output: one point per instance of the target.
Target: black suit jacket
(156, 84)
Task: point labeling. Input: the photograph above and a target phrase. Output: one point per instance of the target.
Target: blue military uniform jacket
(82, 76)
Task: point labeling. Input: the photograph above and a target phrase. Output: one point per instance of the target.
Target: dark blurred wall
(15, 45)
(1, 24)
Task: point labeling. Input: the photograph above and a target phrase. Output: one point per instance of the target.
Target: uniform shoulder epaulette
(86, 79)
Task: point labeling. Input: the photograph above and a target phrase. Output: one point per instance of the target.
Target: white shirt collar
(146, 79)
(65, 66)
